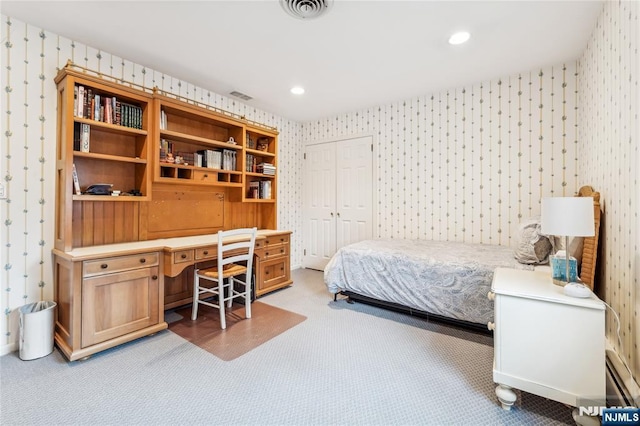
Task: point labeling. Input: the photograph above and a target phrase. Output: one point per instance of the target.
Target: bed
(441, 280)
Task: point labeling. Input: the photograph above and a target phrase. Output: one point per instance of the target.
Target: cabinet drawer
(200, 176)
(275, 251)
(277, 239)
(207, 253)
(183, 256)
(118, 264)
(274, 272)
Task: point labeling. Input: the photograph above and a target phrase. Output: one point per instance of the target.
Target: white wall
(30, 60)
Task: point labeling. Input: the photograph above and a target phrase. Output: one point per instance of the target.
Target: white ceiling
(360, 54)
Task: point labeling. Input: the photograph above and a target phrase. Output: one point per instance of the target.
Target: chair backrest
(236, 245)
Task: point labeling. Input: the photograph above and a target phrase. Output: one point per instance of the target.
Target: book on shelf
(265, 189)
(163, 120)
(266, 169)
(260, 189)
(81, 101)
(228, 159)
(210, 159)
(76, 183)
(85, 137)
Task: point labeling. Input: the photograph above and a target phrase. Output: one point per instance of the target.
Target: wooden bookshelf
(117, 152)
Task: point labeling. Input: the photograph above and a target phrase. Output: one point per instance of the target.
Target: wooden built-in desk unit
(111, 294)
(183, 170)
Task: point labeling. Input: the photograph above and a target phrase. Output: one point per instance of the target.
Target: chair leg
(231, 284)
(247, 298)
(196, 297)
(223, 320)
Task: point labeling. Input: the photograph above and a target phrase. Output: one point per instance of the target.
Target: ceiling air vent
(241, 95)
(306, 9)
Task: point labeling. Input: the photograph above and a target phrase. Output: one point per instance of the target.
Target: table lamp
(569, 217)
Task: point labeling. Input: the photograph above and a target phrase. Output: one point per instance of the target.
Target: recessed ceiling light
(297, 90)
(459, 37)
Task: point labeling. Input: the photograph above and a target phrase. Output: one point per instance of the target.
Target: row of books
(81, 137)
(107, 109)
(225, 159)
(212, 159)
(260, 189)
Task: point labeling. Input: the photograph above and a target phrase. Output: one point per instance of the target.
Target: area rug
(241, 335)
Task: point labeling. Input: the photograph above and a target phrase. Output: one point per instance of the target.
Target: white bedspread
(446, 278)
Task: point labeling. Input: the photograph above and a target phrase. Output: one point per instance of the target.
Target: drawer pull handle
(154, 277)
(143, 260)
(281, 240)
(206, 252)
(267, 253)
(491, 325)
(183, 256)
(282, 251)
(206, 175)
(104, 266)
(266, 272)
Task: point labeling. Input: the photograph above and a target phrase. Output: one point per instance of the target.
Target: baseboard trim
(8, 348)
(624, 381)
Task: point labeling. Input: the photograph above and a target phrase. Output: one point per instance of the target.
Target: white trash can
(36, 330)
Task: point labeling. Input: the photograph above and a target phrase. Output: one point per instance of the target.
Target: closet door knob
(491, 295)
(491, 325)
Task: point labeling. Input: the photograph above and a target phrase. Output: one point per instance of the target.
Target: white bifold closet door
(338, 197)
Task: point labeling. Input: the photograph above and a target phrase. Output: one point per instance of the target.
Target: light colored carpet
(346, 364)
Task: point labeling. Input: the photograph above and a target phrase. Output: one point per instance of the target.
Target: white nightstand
(546, 343)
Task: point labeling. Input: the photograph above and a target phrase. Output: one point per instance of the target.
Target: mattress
(445, 278)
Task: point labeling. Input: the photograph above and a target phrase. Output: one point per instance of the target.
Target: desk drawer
(275, 251)
(183, 256)
(276, 239)
(117, 264)
(210, 252)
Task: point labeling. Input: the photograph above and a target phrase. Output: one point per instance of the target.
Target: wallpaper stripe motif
(470, 163)
(608, 132)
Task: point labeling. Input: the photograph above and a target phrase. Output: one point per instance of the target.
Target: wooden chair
(233, 246)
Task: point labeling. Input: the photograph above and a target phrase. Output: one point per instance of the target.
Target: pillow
(532, 247)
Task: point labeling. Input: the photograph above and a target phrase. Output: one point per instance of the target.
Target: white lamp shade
(568, 216)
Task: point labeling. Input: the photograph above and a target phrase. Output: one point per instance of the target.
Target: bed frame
(587, 275)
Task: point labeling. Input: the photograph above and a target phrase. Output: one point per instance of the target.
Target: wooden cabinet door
(272, 274)
(116, 304)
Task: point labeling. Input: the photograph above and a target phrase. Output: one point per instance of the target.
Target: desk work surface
(163, 244)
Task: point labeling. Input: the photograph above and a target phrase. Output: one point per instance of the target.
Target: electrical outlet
(2, 194)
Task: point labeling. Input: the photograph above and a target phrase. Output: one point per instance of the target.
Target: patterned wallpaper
(30, 60)
(469, 163)
(609, 132)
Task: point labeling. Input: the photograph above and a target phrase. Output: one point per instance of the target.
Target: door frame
(374, 185)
